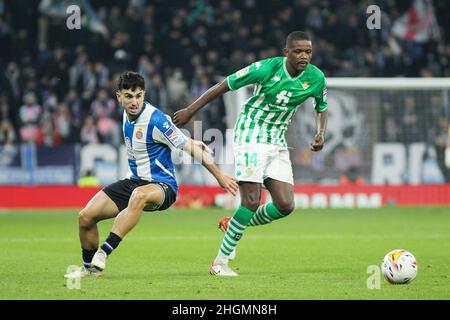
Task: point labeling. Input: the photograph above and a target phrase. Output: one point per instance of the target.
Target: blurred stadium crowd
(56, 85)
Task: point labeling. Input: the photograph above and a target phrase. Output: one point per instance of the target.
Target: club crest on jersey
(305, 85)
(139, 134)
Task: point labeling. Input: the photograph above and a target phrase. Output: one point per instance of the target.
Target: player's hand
(229, 184)
(318, 142)
(181, 117)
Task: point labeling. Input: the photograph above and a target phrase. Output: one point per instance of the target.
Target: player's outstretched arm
(203, 154)
(319, 138)
(183, 116)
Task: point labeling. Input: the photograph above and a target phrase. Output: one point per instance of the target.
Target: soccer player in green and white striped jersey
(282, 84)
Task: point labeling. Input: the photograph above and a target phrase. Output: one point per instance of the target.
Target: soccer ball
(399, 267)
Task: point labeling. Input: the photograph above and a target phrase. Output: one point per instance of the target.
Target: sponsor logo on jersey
(130, 151)
(174, 136)
(257, 65)
(170, 133)
(276, 78)
(242, 72)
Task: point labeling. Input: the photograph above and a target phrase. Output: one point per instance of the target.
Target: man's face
(298, 53)
(131, 100)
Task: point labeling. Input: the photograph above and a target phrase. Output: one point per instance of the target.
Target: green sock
(265, 214)
(235, 230)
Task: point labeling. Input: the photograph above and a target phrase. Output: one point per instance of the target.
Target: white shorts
(259, 161)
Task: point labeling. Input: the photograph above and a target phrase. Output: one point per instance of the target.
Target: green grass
(312, 254)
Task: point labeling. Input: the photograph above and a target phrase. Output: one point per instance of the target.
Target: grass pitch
(312, 254)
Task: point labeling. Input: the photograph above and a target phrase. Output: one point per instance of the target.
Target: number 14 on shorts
(247, 163)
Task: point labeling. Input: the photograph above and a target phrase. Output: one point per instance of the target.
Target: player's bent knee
(143, 198)
(138, 197)
(250, 205)
(85, 219)
(286, 208)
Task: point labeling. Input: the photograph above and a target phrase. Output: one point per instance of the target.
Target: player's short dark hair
(130, 80)
(297, 35)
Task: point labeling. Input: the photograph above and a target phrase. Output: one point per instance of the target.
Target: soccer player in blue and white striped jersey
(150, 185)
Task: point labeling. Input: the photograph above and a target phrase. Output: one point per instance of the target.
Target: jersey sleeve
(254, 73)
(320, 101)
(164, 131)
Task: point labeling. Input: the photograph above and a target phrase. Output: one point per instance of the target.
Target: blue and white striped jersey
(149, 140)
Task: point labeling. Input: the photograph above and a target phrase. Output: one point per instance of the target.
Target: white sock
(221, 258)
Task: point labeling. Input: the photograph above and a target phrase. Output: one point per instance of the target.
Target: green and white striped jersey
(276, 97)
